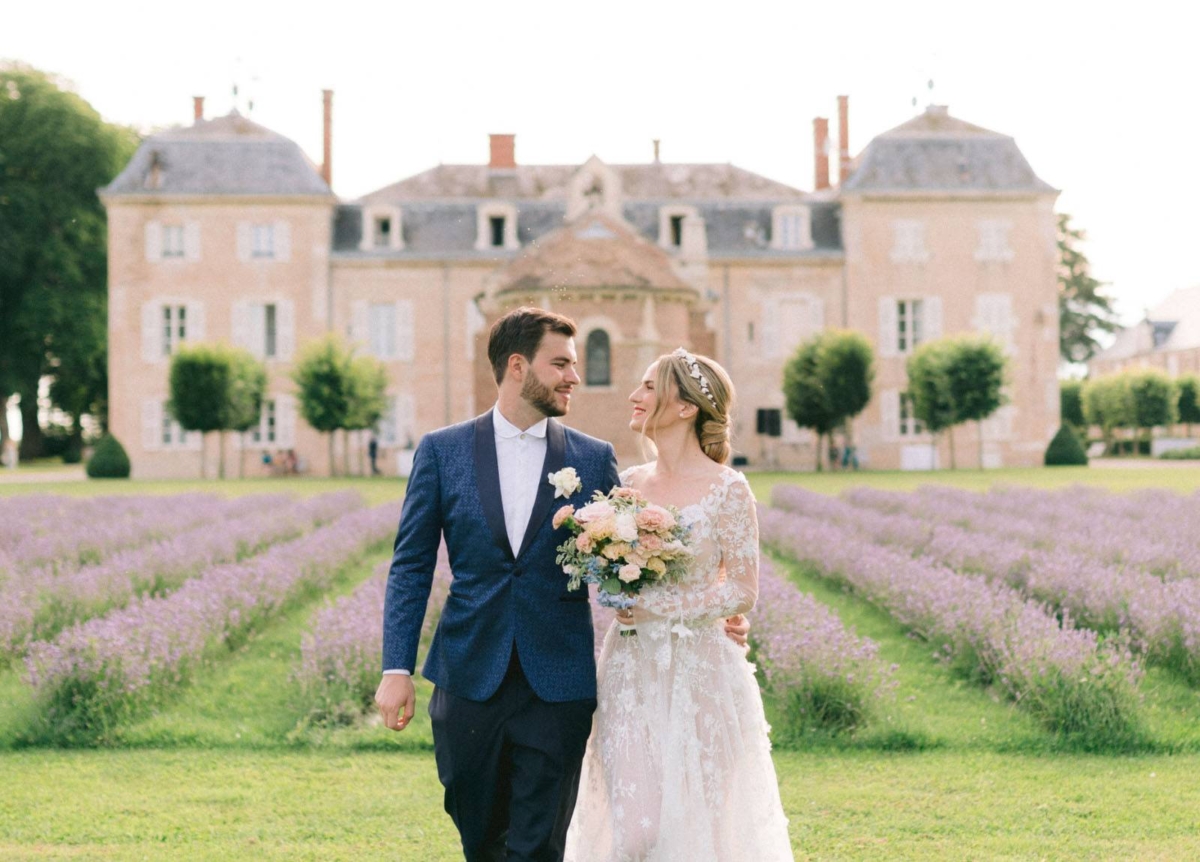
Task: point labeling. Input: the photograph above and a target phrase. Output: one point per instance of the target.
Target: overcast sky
(1102, 104)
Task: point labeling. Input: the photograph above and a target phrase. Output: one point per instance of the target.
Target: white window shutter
(153, 241)
(475, 324)
(241, 324)
(245, 240)
(283, 241)
(152, 419)
(405, 335)
(191, 240)
(889, 322)
(932, 308)
(359, 322)
(257, 329)
(285, 421)
(890, 409)
(285, 329)
(770, 328)
(196, 326)
(152, 332)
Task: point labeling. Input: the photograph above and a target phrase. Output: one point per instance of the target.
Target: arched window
(598, 370)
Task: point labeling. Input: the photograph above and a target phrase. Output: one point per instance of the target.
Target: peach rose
(584, 543)
(650, 543)
(626, 493)
(560, 517)
(601, 529)
(595, 511)
(616, 550)
(655, 519)
(629, 573)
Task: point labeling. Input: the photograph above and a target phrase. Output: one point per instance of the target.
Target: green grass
(227, 769)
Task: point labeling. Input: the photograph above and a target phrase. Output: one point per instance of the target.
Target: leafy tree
(55, 151)
(1070, 399)
(1084, 311)
(368, 401)
(1065, 449)
(248, 388)
(322, 375)
(1155, 400)
(929, 388)
(202, 385)
(1108, 403)
(976, 368)
(846, 367)
(1189, 400)
(805, 396)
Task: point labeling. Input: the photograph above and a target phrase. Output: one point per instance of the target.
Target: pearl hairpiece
(694, 371)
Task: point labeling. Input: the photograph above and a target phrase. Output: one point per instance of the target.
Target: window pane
(676, 230)
(599, 359)
(497, 225)
(269, 335)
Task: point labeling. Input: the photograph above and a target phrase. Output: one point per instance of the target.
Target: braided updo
(712, 397)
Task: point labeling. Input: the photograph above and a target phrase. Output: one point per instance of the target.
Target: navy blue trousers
(510, 766)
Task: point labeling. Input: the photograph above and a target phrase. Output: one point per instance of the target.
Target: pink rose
(560, 517)
(584, 543)
(625, 493)
(655, 519)
(650, 543)
(629, 573)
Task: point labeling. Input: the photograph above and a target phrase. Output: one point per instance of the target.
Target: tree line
(1127, 406)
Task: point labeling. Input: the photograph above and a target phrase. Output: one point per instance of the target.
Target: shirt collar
(507, 430)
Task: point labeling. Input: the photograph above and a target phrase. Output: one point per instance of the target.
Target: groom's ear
(516, 366)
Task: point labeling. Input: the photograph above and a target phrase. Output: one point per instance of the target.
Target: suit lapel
(487, 479)
(556, 456)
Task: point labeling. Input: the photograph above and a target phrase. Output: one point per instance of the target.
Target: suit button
(517, 572)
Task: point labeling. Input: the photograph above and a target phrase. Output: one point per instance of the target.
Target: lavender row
(41, 603)
(1066, 678)
(825, 675)
(1150, 532)
(99, 671)
(87, 534)
(339, 657)
(1163, 618)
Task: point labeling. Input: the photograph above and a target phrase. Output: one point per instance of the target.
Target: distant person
(850, 457)
(373, 454)
(267, 461)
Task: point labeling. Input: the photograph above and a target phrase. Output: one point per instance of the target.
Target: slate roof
(230, 155)
(596, 250)
(1173, 324)
(937, 152)
(655, 181)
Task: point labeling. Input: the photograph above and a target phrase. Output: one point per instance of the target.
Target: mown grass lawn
(228, 769)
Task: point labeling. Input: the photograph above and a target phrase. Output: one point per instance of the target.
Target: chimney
(821, 153)
(327, 163)
(843, 139)
(656, 143)
(503, 151)
(198, 107)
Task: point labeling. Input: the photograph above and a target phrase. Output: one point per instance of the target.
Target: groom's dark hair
(521, 331)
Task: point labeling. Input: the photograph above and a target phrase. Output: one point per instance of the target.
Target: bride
(678, 766)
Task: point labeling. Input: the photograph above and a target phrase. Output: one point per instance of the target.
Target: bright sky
(1102, 102)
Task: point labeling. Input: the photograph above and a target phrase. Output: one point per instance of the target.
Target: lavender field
(903, 639)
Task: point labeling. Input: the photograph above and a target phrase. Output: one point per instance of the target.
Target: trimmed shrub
(1190, 454)
(109, 460)
(1065, 449)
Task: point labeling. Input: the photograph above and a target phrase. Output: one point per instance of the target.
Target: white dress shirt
(520, 456)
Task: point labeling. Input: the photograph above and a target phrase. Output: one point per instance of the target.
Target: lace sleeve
(737, 540)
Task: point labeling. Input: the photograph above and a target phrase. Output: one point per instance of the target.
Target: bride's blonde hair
(700, 381)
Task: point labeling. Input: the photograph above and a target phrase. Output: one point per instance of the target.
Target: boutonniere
(566, 482)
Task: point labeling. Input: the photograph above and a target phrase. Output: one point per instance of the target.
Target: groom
(512, 657)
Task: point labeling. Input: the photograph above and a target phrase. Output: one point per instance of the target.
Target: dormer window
(496, 226)
(671, 223)
(382, 229)
(791, 228)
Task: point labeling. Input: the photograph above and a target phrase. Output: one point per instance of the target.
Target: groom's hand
(737, 628)
(396, 699)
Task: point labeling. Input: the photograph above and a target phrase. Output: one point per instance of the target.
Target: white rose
(627, 530)
(566, 482)
(629, 573)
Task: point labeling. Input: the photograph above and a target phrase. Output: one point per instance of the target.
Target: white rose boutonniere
(566, 482)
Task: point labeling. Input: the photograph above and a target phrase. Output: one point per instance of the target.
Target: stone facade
(225, 231)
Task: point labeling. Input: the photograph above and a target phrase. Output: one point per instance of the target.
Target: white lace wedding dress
(678, 767)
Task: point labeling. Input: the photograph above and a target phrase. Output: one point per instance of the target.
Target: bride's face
(646, 401)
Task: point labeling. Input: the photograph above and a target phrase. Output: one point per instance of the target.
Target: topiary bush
(1065, 449)
(109, 460)
(1192, 453)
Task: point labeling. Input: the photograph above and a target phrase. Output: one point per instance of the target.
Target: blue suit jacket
(497, 597)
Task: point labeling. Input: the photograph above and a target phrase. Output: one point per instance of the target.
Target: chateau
(225, 231)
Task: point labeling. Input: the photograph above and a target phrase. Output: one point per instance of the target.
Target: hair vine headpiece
(694, 371)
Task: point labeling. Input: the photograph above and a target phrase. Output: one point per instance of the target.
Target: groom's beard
(540, 396)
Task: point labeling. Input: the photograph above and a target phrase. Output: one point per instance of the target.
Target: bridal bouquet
(621, 543)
